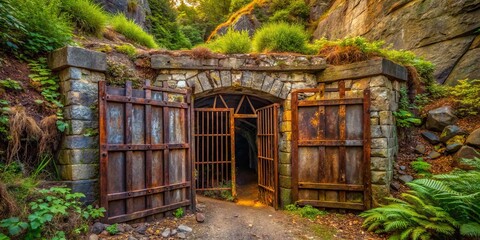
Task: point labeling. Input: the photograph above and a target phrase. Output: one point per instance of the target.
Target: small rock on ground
(420, 149)
(141, 229)
(434, 155)
(474, 138)
(93, 237)
(200, 217)
(406, 178)
(166, 233)
(98, 227)
(431, 137)
(181, 235)
(184, 228)
(452, 148)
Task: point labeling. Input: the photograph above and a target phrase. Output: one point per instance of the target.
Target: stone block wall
(272, 77)
(80, 71)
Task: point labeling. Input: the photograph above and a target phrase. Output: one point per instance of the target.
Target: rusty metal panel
(331, 149)
(145, 163)
(267, 143)
(214, 134)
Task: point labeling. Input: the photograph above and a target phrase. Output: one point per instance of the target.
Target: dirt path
(226, 220)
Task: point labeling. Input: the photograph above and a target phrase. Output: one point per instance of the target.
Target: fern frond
(471, 229)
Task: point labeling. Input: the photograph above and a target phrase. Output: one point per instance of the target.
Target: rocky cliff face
(443, 31)
(446, 32)
(133, 9)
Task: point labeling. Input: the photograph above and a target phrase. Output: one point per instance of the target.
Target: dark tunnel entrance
(227, 148)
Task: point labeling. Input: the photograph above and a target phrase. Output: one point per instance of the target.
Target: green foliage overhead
(289, 11)
(280, 37)
(164, 27)
(435, 208)
(132, 31)
(231, 42)
(46, 26)
(87, 16)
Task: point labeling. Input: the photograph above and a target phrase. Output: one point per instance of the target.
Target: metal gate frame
(267, 143)
(339, 185)
(153, 188)
(220, 164)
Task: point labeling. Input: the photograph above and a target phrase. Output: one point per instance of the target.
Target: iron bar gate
(145, 154)
(215, 149)
(331, 148)
(267, 143)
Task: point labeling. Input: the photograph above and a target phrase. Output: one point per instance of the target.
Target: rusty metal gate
(331, 148)
(145, 154)
(215, 149)
(267, 141)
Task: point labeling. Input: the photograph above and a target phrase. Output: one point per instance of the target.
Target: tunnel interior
(245, 147)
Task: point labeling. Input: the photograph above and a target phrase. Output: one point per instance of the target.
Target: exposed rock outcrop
(133, 9)
(442, 31)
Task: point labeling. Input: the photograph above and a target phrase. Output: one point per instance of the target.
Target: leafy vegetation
(280, 37)
(178, 213)
(444, 206)
(421, 167)
(289, 11)
(48, 84)
(231, 42)
(404, 116)
(127, 49)
(112, 229)
(117, 74)
(86, 15)
(46, 27)
(164, 26)
(467, 95)
(4, 121)
(132, 31)
(12, 27)
(306, 211)
(54, 213)
(10, 84)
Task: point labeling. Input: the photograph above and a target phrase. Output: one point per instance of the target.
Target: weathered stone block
(287, 88)
(285, 146)
(77, 57)
(82, 86)
(379, 153)
(258, 78)
(379, 177)
(285, 158)
(78, 156)
(379, 163)
(80, 127)
(386, 118)
(379, 143)
(276, 88)
(374, 121)
(204, 81)
(379, 193)
(285, 170)
(79, 141)
(80, 98)
(380, 81)
(286, 126)
(226, 77)
(87, 187)
(287, 115)
(78, 171)
(365, 69)
(285, 182)
(79, 112)
(285, 197)
(247, 79)
(170, 62)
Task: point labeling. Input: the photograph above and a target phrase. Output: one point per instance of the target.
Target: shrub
(421, 167)
(46, 27)
(112, 229)
(435, 208)
(307, 211)
(87, 16)
(56, 213)
(132, 31)
(290, 11)
(194, 34)
(404, 116)
(12, 27)
(231, 42)
(467, 95)
(10, 84)
(280, 37)
(127, 49)
(178, 213)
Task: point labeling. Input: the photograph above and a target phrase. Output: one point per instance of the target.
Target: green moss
(127, 49)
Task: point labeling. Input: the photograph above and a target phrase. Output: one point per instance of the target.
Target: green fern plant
(421, 167)
(444, 206)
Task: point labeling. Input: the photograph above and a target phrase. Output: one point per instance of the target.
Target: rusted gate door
(331, 148)
(145, 164)
(267, 141)
(215, 149)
